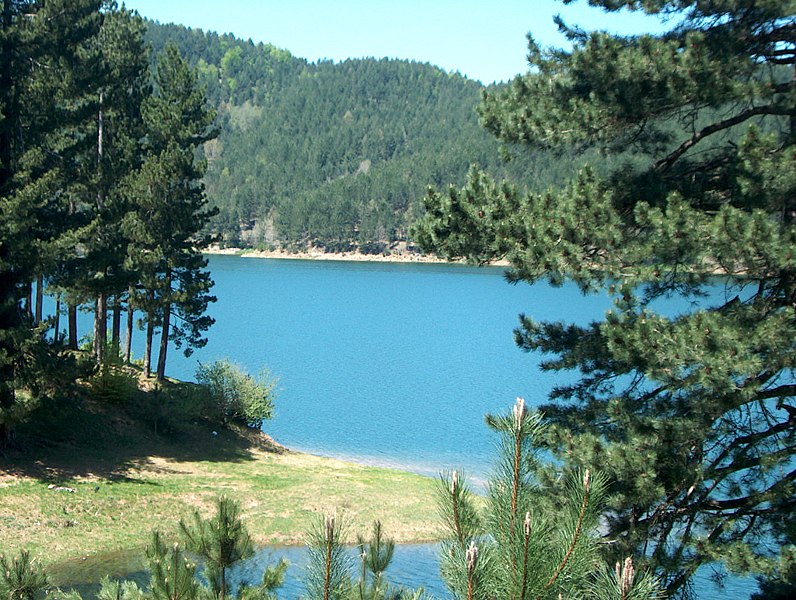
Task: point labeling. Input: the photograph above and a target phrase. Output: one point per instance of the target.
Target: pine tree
(221, 541)
(172, 575)
(21, 578)
(172, 209)
(43, 55)
(692, 416)
(328, 575)
(90, 259)
(525, 546)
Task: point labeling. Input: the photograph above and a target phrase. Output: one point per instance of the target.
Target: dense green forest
(335, 154)
(100, 192)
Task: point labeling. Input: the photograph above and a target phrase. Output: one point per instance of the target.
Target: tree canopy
(100, 190)
(692, 415)
(333, 154)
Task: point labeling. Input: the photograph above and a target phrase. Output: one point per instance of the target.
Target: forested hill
(334, 154)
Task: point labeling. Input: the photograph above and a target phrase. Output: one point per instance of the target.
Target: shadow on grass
(85, 437)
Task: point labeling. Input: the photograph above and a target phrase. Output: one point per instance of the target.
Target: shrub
(237, 395)
(114, 384)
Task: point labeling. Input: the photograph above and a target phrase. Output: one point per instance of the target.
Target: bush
(114, 384)
(237, 395)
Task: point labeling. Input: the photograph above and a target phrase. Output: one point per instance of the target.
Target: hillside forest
(335, 155)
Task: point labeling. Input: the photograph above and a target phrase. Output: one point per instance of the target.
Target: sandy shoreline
(401, 257)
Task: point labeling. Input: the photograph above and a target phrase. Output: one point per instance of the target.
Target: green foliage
(114, 384)
(170, 209)
(375, 556)
(21, 578)
(220, 541)
(113, 589)
(273, 578)
(526, 546)
(45, 55)
(172, 575)
(236, 395)
(337, 155)
(690, 415)
(327, 574)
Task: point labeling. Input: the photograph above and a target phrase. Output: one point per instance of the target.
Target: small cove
(386, 364)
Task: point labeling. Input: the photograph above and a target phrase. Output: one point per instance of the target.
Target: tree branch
(669, 160)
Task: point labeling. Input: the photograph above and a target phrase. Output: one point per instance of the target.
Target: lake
(388, 364)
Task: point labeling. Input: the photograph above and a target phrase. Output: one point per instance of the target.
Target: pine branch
(666, 162)
(578, 527)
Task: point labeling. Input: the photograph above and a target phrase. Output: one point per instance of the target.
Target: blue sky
(484, 40)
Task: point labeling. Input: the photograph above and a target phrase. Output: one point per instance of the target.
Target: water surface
(388, 364)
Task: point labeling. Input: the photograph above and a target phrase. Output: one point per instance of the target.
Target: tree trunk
(100, 327)
(116, 327)
(164, 335)
(72, 314)
(128, 339)
(150, 332)
(29, 300)
(39, 299)
(57, 319)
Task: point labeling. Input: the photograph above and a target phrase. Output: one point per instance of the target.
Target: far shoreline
(320, 255)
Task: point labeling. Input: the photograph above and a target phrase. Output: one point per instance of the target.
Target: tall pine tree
(43, 52)
(692, 416)
(172, 210)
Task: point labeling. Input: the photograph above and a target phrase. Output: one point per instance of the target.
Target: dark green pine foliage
(43, 55)
(520, 545)
(328, 569)
(221, 542)
(334, 154)
(90, 259)
(691, 415)
(21, 578)
(171, 210)
(172, 574)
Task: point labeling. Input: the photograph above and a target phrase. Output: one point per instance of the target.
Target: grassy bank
(101, 493)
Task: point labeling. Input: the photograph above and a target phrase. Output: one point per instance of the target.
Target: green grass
(128, 481)
(280, 495)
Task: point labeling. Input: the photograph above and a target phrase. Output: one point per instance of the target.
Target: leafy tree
(691, 416)
(220, 541)
(237, 395)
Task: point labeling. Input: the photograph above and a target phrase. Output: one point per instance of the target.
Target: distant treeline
(335, 154)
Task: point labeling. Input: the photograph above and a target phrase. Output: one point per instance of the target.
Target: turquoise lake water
(388, 364)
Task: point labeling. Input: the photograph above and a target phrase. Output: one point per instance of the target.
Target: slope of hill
(337, 155)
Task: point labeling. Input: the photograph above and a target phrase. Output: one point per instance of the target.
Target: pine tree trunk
(29, 300)
(116, 327)
(150, 332)
(39, 299)
(100, 327)
(72, 315)
(128, 340)
(164, 335)
(57, 319)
